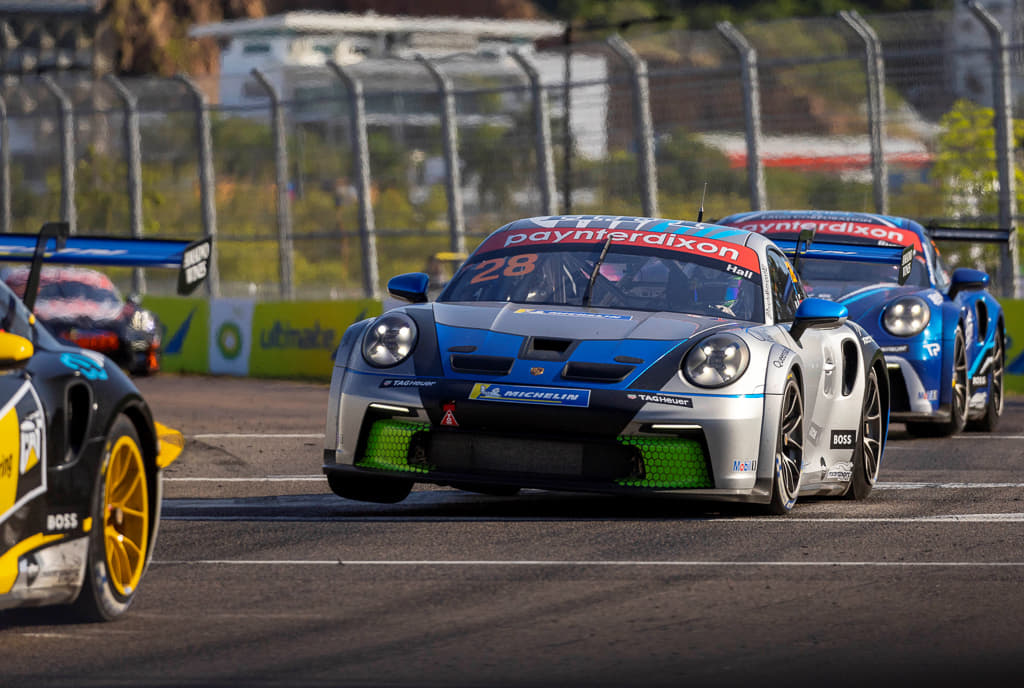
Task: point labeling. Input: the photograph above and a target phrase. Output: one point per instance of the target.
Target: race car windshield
(627, 279)
(836, 278)
(70, 290)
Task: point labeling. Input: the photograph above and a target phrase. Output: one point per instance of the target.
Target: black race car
(80, 454)
(84, 307)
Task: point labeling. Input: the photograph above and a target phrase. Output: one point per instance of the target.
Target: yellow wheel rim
(125, 516)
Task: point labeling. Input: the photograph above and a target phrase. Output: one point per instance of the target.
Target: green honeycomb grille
(669, 462)
(387, 446)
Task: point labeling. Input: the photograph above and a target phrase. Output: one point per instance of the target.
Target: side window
(939, 268)
(14, 317)
(786, 293)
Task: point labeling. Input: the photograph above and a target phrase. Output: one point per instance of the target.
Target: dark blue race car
(943, 334)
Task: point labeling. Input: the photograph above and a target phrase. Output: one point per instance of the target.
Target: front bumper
(712, 450)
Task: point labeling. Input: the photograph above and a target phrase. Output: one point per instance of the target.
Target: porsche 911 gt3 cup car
(943, 335)
(80, 454)
(610, 354)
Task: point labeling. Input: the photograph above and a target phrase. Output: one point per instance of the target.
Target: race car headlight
(143, 321)
(389, 340)
(717, 360)
(906, 316)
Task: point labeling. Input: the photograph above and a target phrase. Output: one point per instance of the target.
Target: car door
(829, 427)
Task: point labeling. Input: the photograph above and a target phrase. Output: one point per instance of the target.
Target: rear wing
(986, 235)
(54, 245)
(803, 247)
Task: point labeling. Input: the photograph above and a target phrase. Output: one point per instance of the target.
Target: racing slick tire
(369, 488)
(994, 405)
(122, 513)
(788, 449)
(867, 456)
(958, 405)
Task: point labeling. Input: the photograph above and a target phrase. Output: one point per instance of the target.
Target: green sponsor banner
(184, 323)
(298, 340)
(1013, 310)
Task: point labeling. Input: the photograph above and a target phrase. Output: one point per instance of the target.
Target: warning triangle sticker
(449, 416)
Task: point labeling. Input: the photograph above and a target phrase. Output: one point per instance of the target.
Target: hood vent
(481, 365)
(596, 372)
(547, 349)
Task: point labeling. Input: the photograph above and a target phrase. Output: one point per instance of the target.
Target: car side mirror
(15, 351)
(411, 287)
(967, 279)
(818, 314)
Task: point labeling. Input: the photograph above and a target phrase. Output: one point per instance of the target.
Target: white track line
(258, 435)
(319, 478)
(264, 479)
(582, 562)
(320, 435)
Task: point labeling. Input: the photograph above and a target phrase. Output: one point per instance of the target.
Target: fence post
(643, 124)
(456, 221)
(751, 111)
(542, 134)
(875, 70)
(1009, 264)
(361, 149)
(284, 205)
(5, 170)
(68, 212)
(206, 183)
(133, 155)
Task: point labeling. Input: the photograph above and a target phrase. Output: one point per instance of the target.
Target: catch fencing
(319, 182)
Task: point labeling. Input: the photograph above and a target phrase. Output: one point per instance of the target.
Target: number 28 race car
(610, 354)
(80, 454)
(943, 335)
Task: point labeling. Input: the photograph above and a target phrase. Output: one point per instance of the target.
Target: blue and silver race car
(943, 334)
(610, 354)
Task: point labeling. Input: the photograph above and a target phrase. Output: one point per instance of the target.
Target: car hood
(572, 322)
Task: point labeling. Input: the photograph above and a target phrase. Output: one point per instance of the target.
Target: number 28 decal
(509, 266)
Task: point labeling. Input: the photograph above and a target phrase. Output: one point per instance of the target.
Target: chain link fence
(775, 115)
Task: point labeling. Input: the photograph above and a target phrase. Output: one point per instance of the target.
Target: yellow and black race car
(80, 454)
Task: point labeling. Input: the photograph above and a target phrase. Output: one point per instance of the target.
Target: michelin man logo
(31, 440)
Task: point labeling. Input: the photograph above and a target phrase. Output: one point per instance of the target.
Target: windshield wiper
(593, 275)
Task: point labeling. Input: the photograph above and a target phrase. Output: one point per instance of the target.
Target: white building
(292, 50)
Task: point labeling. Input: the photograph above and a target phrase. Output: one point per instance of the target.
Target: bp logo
(229, 340)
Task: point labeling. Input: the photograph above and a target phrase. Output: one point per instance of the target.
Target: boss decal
(842, 439)
(62, 522)
(979, 380)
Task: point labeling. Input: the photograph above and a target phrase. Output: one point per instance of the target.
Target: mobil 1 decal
(22, 450)
(843, 439)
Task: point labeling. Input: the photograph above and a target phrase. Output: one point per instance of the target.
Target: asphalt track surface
(261, 576)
